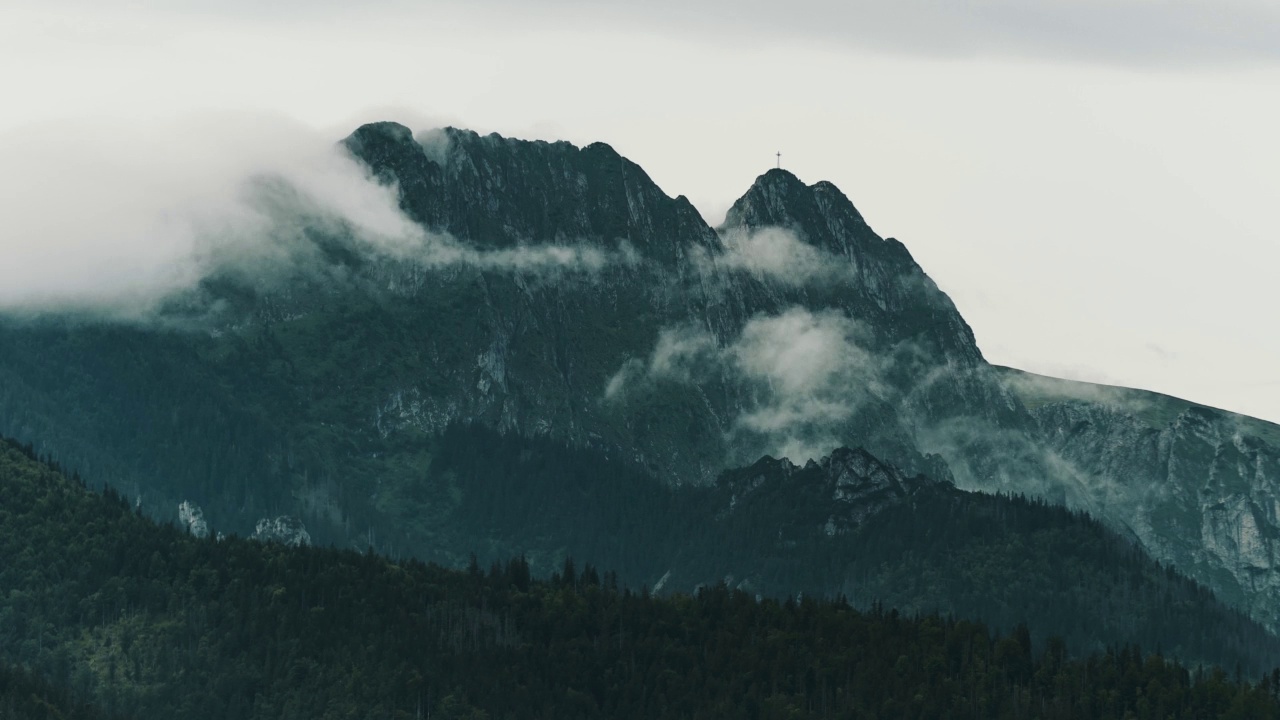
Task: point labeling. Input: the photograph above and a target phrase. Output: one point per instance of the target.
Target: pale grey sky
(1093, 183)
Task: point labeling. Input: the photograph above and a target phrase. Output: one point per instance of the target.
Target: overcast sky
(1094, 183)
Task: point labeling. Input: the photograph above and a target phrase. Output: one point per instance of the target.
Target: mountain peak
(780, 199)
(386, 128)
(778, 176)
(380, 143)
(891, 292)
(504, 192)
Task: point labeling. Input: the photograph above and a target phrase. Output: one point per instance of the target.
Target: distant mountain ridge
(579, 302)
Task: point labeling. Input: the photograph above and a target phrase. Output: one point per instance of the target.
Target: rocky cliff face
(684, 328)
(191, 517)
(498, 192)
(1198, 487)
(284, 530)
(843, 489)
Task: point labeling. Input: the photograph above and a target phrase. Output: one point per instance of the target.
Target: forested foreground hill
(24, 696)
(150, 623)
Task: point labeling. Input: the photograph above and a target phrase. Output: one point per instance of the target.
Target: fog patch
(805, 373)
(435, 144)
(776, 254)
(683, 352)
(112, 219)
(1036, 390)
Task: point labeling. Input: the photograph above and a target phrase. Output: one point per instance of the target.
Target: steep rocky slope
(1198, 486)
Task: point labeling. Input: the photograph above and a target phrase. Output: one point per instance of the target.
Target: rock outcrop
(192, 518)
(284, 529)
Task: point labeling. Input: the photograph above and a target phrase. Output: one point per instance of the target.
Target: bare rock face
(284, 529)
(1198, 487)
(192, 518)
(833, 494)
(535, 352)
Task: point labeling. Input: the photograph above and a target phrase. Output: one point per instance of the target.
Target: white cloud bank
(115, 216)
(112, 218)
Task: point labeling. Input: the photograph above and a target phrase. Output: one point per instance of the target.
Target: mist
(114, 218)
(807, 372)
(777, 254)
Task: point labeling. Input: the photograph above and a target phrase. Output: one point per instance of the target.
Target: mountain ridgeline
(146, 621)
(557, 295)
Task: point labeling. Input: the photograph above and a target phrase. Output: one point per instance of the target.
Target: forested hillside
(24, 696)
(850, 526)
(152, 623)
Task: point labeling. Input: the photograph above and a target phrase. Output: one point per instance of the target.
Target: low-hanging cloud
(806, 371)
(776, 254)
(114, 218)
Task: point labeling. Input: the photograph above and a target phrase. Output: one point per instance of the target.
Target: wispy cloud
(115, 218)
(776, 254)
(806, 373)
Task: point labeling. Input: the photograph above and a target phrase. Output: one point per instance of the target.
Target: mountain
(149, 622)
(556, 292)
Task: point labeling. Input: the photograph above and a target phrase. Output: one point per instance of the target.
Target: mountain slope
(1197, 485)
(848, 525)
(157, 624)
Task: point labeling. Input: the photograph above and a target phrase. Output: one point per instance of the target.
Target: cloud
(115, 218)
(436, 143)
(985, 457)
(812, 374)
(681, 352)
(805, 372)
(1110, 32)
(438, 250)
(1037, 389)
(777, 254)
(1126, 32)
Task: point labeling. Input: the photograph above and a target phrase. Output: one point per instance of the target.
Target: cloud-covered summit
(114, 218)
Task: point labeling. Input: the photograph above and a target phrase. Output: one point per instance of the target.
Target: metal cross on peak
(779, 159)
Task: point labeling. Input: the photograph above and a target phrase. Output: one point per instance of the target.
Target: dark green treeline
(998, 559)
(150, 623)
